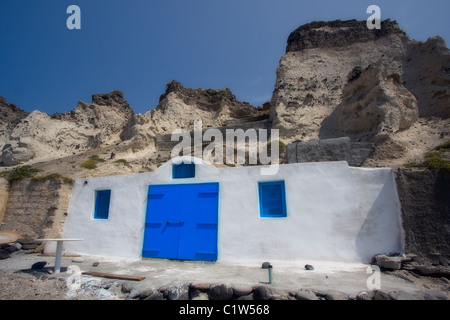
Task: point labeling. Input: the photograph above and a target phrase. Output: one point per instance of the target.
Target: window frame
(177, 165)
(282, 185)
(95, 215)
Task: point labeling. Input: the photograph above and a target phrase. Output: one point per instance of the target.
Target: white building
(324, 211)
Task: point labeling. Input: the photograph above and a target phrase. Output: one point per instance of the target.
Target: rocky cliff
(340, 79)
(109, 125)
(343, 92)
(386, 95)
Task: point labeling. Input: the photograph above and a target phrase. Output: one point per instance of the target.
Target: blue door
(181, 222)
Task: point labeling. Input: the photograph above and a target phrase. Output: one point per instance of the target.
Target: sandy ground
(19, 282)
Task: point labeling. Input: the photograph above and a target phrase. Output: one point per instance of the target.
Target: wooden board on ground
(64, 255)
(113, 276)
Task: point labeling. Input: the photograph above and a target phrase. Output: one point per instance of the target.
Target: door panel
(181, 222)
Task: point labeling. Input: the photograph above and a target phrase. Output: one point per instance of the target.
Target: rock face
(341, 79)
(337, 34)
(36, 208)
(425, 207)
(335, 149)
(386, 93)
(179, 107)
(40, 136)
(10, 116)
(374, 106)
(109, 120)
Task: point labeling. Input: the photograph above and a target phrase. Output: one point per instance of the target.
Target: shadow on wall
(381, 231)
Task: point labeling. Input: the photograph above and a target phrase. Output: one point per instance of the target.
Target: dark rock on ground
(399, 295)
(221, 292)
(39, 265)
(306, 295)
(265, 293)
(11, 249)
(200, 286)
(242, 291)
(199, 295)
(435, 295)
(335, 295)
(143, 294)
(180, 292)
(381, 295)
(4, 254)
(389, 263)
(156, 295)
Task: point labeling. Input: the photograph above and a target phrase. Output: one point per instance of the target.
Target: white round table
(59, 247)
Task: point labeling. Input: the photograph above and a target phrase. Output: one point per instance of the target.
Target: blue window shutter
(272, 200)
(102, 204)
(183, 170)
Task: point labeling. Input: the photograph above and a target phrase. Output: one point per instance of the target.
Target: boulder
(4, 254)
(200, 286)
(381, 295)
(221, 292)
(11, 249)
(265, 293)
(180, 292)
(199, 295)
(39, 265)
(335, 295)
(400, 295)
(306, 295)
(156, 295)
(435, 295)
(242, 290)
(142, 294)
(15, 154)
(389, 263)
(126, 288)
(135, 294)
(364, 296)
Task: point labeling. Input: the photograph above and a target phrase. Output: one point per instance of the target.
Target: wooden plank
(64, 255)
(113, 276)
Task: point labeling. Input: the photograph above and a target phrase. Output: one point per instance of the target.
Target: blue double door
(182, 222)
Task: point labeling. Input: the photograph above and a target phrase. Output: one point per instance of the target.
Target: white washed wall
(334, 213)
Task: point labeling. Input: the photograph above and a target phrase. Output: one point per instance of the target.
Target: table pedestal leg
(58, 255)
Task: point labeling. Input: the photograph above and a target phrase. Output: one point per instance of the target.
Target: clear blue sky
(137, 46)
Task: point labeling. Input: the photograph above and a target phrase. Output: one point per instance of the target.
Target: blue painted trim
(264, 209)
(182, 222)
(183, 170)
(102, 201)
